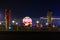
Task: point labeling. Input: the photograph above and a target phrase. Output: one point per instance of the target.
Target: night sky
(32, 8)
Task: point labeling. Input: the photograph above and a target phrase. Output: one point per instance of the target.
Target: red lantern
(27, 21)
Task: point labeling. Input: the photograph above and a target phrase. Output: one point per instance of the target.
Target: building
(49, 14)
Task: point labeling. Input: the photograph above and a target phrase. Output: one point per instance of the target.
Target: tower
(49, 14)
(7, 17)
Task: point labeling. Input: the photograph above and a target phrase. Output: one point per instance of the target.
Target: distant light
(26, 24)
(37, 21)
(16, 23)
(31, 23)
(10, 28)
(41, 26)
(0, 23)
(13, 21)
(27, 21)
(27, 17)
(53, 26)
(46, 23)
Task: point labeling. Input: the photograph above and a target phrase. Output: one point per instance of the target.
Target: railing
(37, 29)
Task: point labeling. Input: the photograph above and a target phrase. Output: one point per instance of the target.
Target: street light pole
(17, 25)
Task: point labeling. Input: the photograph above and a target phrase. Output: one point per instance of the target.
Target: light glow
(27, 21)
(53, 26)
(46, 23)
(37, 21)
(10, 28)
(13, 21)
(41, 26)
(16, 23)
(0, 23)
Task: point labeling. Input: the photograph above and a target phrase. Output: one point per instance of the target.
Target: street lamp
(46, 24)
(37, 23)
(0, 23)
(10, 28)
(17, 25)
(13, 21)
(53, 25)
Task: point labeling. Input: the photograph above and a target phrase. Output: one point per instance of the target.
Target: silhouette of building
(7, 17)
(49, 14)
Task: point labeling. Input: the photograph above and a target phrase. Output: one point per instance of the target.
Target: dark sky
(32, 8)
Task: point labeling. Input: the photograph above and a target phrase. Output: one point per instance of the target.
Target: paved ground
(30, 29)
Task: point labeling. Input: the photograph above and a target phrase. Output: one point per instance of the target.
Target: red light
(41, 26)
(53, 25)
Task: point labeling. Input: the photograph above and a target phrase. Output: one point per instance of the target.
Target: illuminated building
(7, 18)
(49, 16)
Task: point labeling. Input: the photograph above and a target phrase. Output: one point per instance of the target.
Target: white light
(16, 23)
(9, 27)
(27, 17)
(26, 24)
(46, 23)
(13, 21)
(37, 21)
(0, 23)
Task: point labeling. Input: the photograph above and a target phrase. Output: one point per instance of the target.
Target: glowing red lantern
(27, 21)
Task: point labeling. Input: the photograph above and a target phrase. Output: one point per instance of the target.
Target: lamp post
(17, 25)
(49, 15)
(37, 23)
(13, 21)
(0, 24)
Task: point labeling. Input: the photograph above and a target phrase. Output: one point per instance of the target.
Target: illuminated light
(31, 25)
(51, 18)
(41, 26)
(13, 21)
(27, 21)
(53, 26)
(46, 23)
(54, 18)
(37, 21)
(10, 28)
(16, 23)
(0, 23)
(27, 17)
(26, 24)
